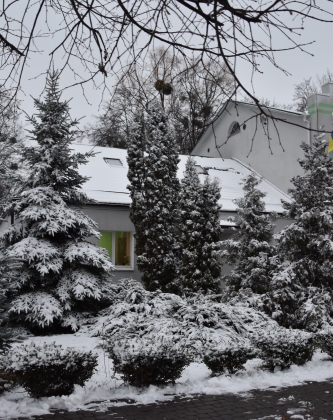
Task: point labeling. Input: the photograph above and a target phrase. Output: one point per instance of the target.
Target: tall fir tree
(211, 231)
(199, 233)
(136, 175)
(250, 251)
(155, 194)
(63, 274)
(190, 229)
(302, 288)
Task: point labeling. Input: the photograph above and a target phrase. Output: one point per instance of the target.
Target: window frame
(231, 129)
(113, 250)
(112, 162)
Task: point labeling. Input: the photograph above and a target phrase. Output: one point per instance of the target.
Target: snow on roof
(107, 184)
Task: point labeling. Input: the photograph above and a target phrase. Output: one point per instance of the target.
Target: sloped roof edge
(261, 177)
(209, 130)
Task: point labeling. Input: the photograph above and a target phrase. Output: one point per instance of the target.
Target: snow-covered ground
(104, 390)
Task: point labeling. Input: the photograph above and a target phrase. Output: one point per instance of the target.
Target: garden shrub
(282, 347)
(228, 360)
(142, 364)
(48, 370)
(324, 340)
(7, 381)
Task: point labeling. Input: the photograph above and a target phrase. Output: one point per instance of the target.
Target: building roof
(224, 110)
(107, 172)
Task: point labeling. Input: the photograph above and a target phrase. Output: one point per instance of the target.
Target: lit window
(234, 129)
(123, 248)
(113, 162)
(120, 248)
(105, 241)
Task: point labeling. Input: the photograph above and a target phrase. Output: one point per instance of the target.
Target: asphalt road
(311, 401)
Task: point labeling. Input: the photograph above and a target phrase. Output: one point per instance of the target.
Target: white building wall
(258, 145)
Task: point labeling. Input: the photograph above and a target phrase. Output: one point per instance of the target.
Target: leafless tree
(191, 97)
(95, 38)
(10, 144)
(308, 87)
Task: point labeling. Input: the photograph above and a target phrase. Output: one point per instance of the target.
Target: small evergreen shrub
(229, 360)
(7, 381)
(282, 347)
(324, 341)
(143, 364)
(48, 370)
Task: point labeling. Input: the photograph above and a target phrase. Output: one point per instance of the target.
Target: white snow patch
(104, 390)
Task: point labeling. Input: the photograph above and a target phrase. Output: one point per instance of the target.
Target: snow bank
(104, 390)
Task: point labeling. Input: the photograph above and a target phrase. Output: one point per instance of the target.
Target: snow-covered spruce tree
(158, 244)
(249, 251)
(62, 273)
(302, 288)
(199, 233)
(7, 267)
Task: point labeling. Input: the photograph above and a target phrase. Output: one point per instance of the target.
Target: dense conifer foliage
(62, 273)
(199, 232)
(155, 190)
(302, 288)
(249, 251)
(136, 175)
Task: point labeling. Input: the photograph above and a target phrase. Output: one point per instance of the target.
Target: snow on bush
(324, 341)
(48, 370)
(283, 348)
(145, 327)
(228, 360)
(143, 362)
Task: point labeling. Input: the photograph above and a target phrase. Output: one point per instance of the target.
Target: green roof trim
(321, 104)
(323, 111)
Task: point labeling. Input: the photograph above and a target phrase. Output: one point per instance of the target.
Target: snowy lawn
(104, 390)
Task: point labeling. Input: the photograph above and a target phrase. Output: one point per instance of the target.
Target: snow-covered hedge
(144, 327)
(228, 360)
(158, 333)
(144, 362)
(283, 348)
(324, 341)
(49, 369)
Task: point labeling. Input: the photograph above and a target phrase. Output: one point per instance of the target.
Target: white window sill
(123, 268)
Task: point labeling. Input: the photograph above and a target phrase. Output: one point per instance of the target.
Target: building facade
(270, 144)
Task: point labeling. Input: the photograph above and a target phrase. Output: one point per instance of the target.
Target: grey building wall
(271, 148)
(113, 218)
(116, 218)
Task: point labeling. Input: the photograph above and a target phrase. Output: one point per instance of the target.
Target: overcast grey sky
(272, 84)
